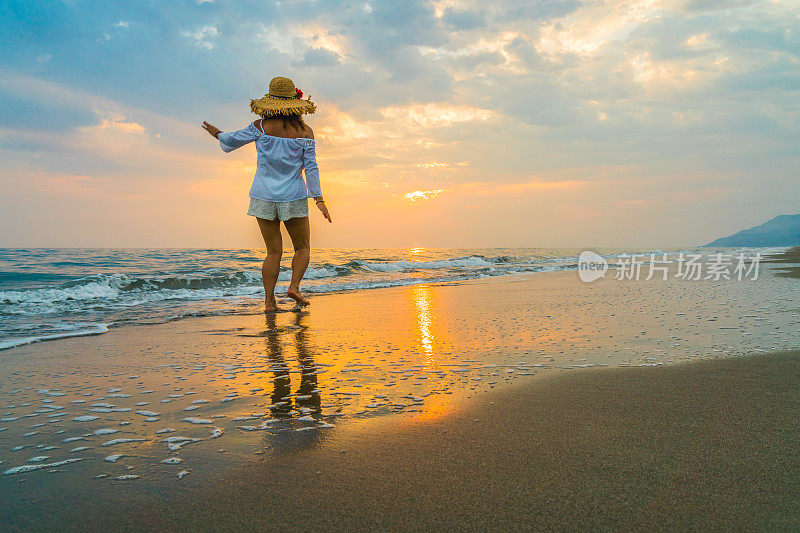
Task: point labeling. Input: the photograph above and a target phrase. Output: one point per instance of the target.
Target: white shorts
(278, 210)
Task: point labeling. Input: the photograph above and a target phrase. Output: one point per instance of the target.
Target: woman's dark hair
(294, 122)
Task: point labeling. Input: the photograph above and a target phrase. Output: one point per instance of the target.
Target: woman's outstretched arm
(232, 140)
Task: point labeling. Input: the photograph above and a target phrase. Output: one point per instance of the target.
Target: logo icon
(591, 266)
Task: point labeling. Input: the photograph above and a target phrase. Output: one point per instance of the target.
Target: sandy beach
(527, 401)
(709, 445)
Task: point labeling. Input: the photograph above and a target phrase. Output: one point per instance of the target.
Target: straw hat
(282, 99)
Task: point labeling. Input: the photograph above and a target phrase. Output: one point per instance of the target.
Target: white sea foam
(120, 441)
(175, 438)
(91, 329)
(193, 420)
(405, 266)
(176, 443)
(28, 468)
(49, 392)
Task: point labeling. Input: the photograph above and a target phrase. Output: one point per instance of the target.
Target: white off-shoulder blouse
(280, 164)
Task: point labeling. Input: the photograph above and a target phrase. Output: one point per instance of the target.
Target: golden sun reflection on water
(437, 406)
(421, 296)
(350, 370)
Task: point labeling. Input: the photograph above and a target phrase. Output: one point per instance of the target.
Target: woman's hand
(324, 209)
(213, 130)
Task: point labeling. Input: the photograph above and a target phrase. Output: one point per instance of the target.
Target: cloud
(203, 37)
(463, 20)
(495, 189)
(435, 115)
(587, 29)
(697, 39)
(437, 164)
(581, 95)
(121, 125)
(416, 196)
(318, 57)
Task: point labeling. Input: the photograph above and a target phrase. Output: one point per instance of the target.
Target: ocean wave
(86, 330)
(437, 264)
(111, 287)
(154, 286)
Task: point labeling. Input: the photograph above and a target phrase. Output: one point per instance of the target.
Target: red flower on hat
(299, 92)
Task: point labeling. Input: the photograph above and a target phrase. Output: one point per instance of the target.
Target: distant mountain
(783, 230)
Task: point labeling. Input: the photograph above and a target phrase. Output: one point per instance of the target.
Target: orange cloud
(119, 124)
(436, 164)
(433, 115)
(423, 195)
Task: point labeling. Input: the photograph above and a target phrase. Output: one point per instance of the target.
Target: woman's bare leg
(271, 231)
(300, 233)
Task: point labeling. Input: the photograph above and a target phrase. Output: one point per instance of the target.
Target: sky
(547, 123)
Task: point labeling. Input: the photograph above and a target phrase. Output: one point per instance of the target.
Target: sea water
(50, 293)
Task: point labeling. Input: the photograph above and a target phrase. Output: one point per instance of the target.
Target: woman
(285, 146)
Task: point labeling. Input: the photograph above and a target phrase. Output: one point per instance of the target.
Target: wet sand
(709, 445)
(500, 403)
(791, 258)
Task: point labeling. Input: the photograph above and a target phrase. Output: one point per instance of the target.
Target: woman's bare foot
(295, 295)
(270, 306)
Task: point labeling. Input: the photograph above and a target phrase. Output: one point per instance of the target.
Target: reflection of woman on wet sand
(307, 398)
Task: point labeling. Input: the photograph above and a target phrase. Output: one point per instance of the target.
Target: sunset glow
(414, 265)
(515, 120)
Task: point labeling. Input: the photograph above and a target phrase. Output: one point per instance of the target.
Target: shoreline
(550, 402)
(792, 258)
(242, 304)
